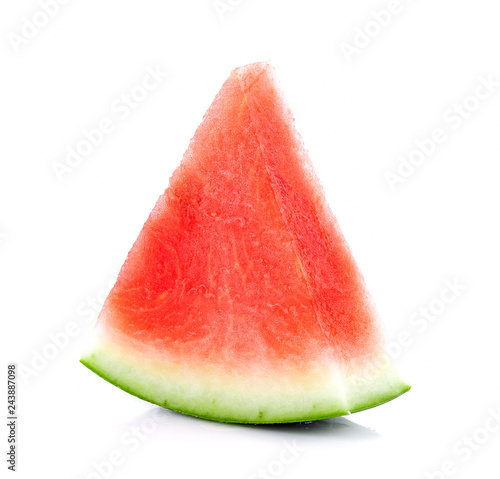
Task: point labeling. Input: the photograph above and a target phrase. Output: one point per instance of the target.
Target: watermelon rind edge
(127, 375)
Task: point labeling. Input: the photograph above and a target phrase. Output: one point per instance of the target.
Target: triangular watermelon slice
(240, 300)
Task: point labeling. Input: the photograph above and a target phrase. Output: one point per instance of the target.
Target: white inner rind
(321, 390)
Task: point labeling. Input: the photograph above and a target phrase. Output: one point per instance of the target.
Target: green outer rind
(110, 367)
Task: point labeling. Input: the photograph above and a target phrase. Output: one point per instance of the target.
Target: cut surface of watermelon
(240, 300)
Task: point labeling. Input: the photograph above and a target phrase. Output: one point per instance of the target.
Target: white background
(62, 242)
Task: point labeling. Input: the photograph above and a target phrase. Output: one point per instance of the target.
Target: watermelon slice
(240, 300)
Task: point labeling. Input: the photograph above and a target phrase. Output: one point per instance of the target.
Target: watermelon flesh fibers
(240, 300)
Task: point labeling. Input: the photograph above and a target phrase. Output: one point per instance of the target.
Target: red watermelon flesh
(240, 300)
